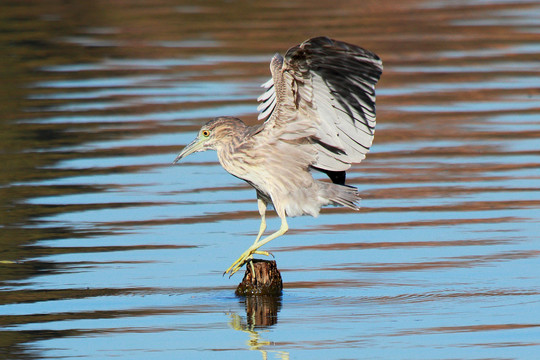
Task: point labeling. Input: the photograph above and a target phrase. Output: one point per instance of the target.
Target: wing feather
(323, 92)
(267, 99)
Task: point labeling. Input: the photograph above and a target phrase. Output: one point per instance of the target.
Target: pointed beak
(194, 146)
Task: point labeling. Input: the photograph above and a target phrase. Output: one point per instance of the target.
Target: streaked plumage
(319, 112)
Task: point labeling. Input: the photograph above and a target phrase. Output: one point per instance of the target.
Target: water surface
(107, 250)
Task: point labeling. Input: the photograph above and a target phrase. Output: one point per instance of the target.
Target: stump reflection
(261, 312)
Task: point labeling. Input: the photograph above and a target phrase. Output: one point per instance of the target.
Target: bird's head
(212, 135)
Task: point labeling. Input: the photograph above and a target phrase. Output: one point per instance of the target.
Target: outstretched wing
(323, 90)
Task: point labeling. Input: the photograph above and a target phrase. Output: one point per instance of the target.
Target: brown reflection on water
(457, 108)
(393, 245)
(453, 262)
(412, 224)
(471, 328)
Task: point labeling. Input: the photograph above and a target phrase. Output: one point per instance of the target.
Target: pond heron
(319, 115)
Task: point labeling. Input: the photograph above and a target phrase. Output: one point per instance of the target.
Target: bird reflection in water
(261, 313)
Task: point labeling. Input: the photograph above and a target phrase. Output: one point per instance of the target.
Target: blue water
(108, 250)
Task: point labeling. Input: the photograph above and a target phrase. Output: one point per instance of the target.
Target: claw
(244, 258)
(238, 263)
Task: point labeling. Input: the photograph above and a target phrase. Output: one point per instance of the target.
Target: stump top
(267, 279)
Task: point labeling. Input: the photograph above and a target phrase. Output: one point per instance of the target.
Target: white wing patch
(267, 100)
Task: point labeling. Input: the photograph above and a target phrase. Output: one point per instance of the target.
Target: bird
(317, 114)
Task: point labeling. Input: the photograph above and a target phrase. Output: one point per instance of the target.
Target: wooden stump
(267, 280)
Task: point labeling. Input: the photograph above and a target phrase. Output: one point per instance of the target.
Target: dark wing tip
(326, 45)
(343, 67)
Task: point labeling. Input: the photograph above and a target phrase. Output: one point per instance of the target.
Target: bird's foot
(244, 258)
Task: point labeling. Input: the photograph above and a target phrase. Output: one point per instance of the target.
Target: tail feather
(341, 195)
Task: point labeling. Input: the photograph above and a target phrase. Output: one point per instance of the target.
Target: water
(107, 250)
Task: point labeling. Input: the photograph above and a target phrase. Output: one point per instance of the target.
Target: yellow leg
(254, 249)
(262, 210)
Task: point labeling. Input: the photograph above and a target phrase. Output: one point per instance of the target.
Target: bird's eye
(205, 133)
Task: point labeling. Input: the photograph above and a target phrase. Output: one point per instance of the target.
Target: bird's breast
(237, 162)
